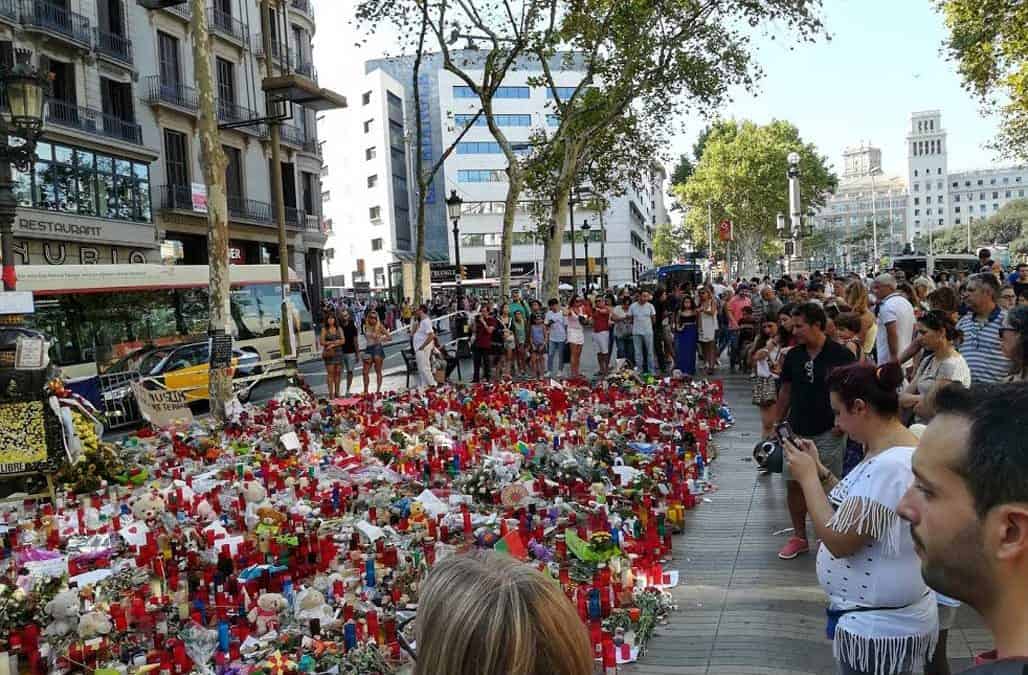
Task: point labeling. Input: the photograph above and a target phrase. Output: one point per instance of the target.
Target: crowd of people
(896, 405)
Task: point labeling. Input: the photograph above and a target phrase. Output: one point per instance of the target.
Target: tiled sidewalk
(741, 609)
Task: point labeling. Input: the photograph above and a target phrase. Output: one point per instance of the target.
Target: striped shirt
(981, 347)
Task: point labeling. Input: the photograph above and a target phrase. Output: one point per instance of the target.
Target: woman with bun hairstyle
(940, 365)
(881, 616)
(486, 613)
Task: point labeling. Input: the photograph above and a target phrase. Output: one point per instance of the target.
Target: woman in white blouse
(881, 615)
(940, 365)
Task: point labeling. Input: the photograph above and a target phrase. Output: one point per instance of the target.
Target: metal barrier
(118, 402)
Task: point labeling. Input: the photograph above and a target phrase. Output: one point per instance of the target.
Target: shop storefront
(49, 238)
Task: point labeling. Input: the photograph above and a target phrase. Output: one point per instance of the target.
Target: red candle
(373, 626)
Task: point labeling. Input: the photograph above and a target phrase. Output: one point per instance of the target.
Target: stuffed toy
(147, 507)
(64, 613)
(94, 624)
(265, 616)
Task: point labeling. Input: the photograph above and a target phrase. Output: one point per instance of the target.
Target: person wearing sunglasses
(486, 613)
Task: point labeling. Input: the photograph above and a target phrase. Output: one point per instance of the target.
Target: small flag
(512, 545)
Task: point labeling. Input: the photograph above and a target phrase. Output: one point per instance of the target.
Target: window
(928, 212)
(501, 120)
(554, 121)
(75, 180)
(956, 198)
(917, 187)
(995, 207)
(370, 153)
(372, 181)
(981, 208)
(981, 195)
(979, 181)
(326, 196)
(226, 73)
(376, 244)
(957, 221)
(992, 181)
(915, 173)
(488, 148)
(366, 98)
(233, 173)
(310, 190)
(928, 200)
(1006, 179)
(995, 195)
(563, 92)
(956, 209)
(481, 176)
(176, 159)
(938, 185)
(380, 277)
(169, 66)
(501, 92)
(1008, 194)
(1020, 193)
(116, 98)
(375, 213)
(917, 212)
(367, 126)
(956, 184)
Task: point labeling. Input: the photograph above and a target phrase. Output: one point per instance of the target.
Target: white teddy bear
(64, 612)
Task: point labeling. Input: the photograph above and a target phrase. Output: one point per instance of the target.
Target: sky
(883, 62)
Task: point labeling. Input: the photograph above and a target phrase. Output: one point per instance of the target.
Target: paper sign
(290, 441)
(434, 506)
(134, 534)
(370, 531)
(30, 354)
(162, 408)
(55, 567)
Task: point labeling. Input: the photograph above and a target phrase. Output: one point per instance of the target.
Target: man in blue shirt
(981, 346)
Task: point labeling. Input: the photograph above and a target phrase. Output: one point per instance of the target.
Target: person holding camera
(882, 616)
(804, 402)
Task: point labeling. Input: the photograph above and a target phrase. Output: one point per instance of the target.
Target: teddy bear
(265, 615)
(311, 604)
(147, 507)
(94, 624)
(64, 613)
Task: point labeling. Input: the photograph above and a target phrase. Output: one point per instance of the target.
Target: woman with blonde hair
(489, 614)
(856, 298)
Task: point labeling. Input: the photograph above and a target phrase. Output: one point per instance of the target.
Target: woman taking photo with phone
(881, 615)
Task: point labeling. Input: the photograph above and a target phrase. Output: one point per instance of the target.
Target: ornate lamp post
(453, 208)
(26, 90)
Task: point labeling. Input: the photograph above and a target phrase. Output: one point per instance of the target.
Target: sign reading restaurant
(49, 238)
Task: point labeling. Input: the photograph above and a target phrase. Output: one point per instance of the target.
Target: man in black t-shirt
(803, 400)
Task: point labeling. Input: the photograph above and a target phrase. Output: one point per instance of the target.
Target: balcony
(42, 16)
(312, 146)
(313, 223)
(117, 47)
(279, 50)
(184, 10)
(226, 25)
(240, 209)
(291, 134)
(249, 209)
(232, 113)
(294, 217)
(173, 94)
(9, 10)
(71, 116)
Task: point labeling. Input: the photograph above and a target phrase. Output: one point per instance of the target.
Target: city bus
(98, 315)
(669, 276)
(951, 263)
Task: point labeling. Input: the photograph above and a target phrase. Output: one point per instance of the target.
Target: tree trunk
(507, 239)
(214, 163)
(554, 243)
(421, 180)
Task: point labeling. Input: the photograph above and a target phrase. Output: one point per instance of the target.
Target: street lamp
(585, 235)
(26, 92)
(453, 208)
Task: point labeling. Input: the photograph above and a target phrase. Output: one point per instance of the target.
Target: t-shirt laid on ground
(981, 347)
(642, 318)
(894, 309)
(558, 326)
(810, 412)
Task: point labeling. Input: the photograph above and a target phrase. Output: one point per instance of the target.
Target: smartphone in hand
(785, 432)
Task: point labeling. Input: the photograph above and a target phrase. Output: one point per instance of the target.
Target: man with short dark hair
(981, 345)
(803, 400)
(968, 511)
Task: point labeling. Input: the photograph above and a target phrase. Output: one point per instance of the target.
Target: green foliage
(667, 243)
(989, 41)
(742, 175)
(1008, 226)
(683, 170)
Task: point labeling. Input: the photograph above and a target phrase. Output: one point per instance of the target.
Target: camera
(768, 455)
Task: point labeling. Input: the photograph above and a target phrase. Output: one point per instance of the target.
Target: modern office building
(378, 181)
(119, 169)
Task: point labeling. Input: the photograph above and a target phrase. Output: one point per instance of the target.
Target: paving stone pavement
(743, 611)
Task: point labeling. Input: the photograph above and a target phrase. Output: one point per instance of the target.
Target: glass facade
(488, 148)
(501, 120)
(461, 91)
(481, 176)
(75, 180)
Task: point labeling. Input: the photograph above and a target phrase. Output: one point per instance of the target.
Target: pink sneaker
(793, 548)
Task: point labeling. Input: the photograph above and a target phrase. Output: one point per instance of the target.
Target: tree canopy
(989, 41)
(1008, 226)
(742, 175)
